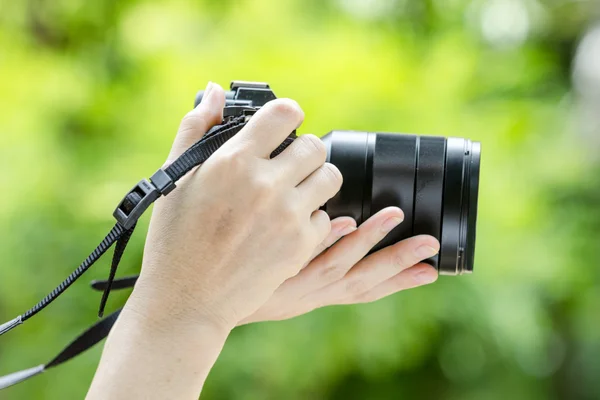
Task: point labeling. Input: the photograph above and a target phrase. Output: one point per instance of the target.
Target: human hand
(241, 224)
(339, 274)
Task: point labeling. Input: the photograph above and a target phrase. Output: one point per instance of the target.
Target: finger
(320, 186)
(297, 285)
(198, 121)
(301, 158)
(415, 276)
(381, 266)
(333, 265)
(340, 227)
(269, 127)
(321, 224)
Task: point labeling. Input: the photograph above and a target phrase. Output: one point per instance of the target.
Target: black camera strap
(118, 283)
(127, 213)
(83, 342)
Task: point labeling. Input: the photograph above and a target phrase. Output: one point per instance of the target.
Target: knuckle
(264, 186)
(332, 174)
(400, 259)
(332, 273)
(193, 120)
(288, 108)
(356, 287)
(326, 226)
(288, 213)
(322, 224)
(314, 145)
(294, 221)
(232, 161)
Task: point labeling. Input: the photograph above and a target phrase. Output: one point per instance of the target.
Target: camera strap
(83, 342)
(127, 213)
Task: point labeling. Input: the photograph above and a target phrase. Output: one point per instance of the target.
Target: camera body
(243, 98)
(434, 180)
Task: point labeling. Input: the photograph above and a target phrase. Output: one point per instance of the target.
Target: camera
(434, 180)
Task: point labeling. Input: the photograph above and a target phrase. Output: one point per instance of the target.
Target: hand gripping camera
(434, 180)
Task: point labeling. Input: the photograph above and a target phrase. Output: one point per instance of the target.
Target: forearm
(156, 358)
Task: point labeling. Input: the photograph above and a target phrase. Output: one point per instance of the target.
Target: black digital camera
(434, 180)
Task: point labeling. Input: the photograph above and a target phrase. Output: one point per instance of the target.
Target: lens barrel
(434, 181)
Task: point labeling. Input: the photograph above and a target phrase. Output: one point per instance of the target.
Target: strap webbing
(117, 284)
(119, 250)
(86, 340)
(108, 241)
(83, 342)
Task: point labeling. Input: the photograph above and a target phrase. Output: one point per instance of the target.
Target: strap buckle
(142, 195)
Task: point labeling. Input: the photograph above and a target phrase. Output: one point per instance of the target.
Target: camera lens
(434, 180)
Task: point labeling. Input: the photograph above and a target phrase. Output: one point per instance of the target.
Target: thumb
(198, 121)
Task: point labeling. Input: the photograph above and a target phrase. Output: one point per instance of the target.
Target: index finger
(269, 127)
(335, 263)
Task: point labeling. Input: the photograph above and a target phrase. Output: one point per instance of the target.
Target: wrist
(153, 354)
(157, 311)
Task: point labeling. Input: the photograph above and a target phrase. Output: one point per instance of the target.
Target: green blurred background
(91, 94)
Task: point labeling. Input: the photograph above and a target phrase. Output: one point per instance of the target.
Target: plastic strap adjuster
(163, 182)
(147, 194)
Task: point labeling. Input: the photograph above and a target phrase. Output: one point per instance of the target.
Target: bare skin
(242, 240)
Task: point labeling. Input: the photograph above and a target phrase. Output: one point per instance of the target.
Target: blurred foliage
(92, 92)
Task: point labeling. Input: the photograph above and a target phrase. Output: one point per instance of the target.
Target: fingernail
(346, 230)
(207, 91)
(424, 277)
(425, 252)
(390, 224)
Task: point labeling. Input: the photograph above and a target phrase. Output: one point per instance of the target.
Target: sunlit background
(91, 93)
